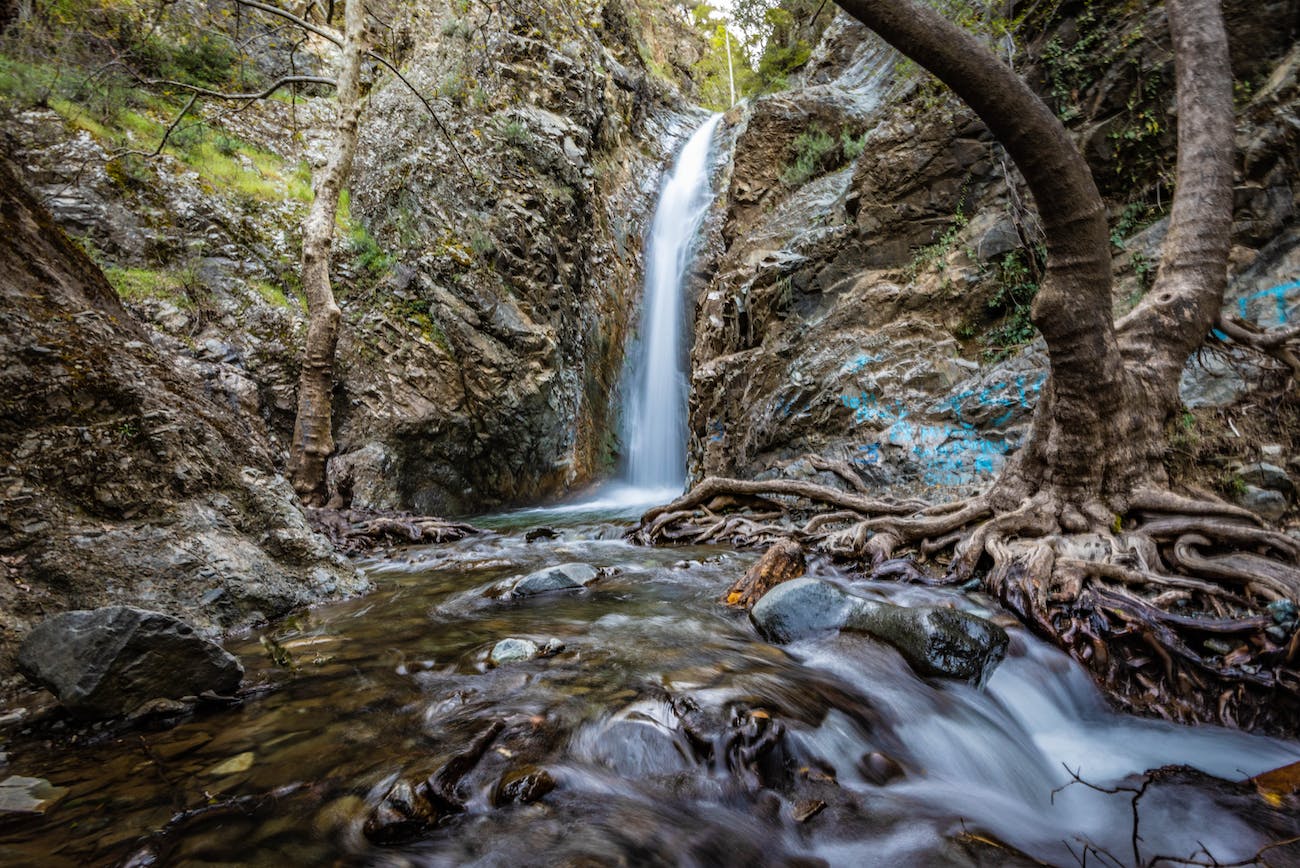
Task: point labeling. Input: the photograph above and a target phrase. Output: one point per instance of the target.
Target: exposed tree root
(358, 531)
(1183, 605)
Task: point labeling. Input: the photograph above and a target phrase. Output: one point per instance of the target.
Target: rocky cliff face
(122, 479)
(487, 285)
(520, 260)
(487, 290)
(875, 256)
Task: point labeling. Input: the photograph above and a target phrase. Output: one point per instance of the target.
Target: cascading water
(654, 417)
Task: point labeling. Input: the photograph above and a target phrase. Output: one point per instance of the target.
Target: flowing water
(644, 722)
(654, 419)
(673, 733)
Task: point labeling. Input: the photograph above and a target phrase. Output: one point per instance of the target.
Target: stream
(642, 722)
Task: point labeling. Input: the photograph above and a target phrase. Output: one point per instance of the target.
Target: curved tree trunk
(313, 439)
(1098, 431)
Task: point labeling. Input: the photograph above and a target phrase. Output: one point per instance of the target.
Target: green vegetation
(812, 151)
(370, 257)
(144, 284)
(516, 133)
(816, 152)
(1015, 286)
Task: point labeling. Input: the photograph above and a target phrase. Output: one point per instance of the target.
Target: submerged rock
(562, 577)
(513, 651)
(22, 795)
(109, 661)
(935, 641)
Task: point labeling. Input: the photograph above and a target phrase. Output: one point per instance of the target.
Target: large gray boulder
(106, 662)
(935, 641)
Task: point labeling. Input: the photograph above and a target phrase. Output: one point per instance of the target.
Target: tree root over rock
(354, 531)
(1183, 605)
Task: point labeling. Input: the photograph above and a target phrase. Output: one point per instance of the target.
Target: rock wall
(875, 254)
(122, 480)
(520, 265)
(488, 263)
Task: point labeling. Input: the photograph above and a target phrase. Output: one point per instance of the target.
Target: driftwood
(780, 563)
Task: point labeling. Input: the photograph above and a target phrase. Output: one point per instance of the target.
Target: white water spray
(654, 418)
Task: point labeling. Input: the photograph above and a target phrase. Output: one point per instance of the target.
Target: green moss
(141, 284)
(274, 296)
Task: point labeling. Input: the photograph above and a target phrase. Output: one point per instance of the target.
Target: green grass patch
(275, 296)
(144, 284)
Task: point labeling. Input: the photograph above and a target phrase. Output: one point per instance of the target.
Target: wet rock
(540, 533)
(551, 648)
(522, 786)
(780, 563)
(400, 816)
(23, 795)
(110, 661)
(562, 577)
(807, 809)
(937, 641)
(879, 769)
(800, 608)
(513, 651)
(1269, 505)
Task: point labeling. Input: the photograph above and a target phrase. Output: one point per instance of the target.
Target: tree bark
(1098, 431)
(313, 438)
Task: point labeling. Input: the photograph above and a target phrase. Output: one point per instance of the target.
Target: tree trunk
(313, 439)
(1098, 431)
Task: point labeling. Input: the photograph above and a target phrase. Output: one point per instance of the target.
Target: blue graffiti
(862, 361)
(1277, 293)
(870, 456)
(993, 395)
(867, 407)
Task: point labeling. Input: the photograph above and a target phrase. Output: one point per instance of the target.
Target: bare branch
(162, 143)
(223, 95)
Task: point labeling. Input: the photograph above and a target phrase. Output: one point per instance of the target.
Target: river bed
(876, 766)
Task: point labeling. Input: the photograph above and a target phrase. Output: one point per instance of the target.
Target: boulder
(800, 608)
(562, 577)
(935, 641)
(106, 662)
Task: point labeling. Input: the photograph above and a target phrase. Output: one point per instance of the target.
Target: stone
(237, 764)
(107, 662)
(402, 814)
(23, 795)
(1268, 476)
(522, 786)
(1269, 505)
(513, 651)
(562, 577)
(800, 608)
(935, 641)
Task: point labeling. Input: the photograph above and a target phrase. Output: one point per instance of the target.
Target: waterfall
(654, 413)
